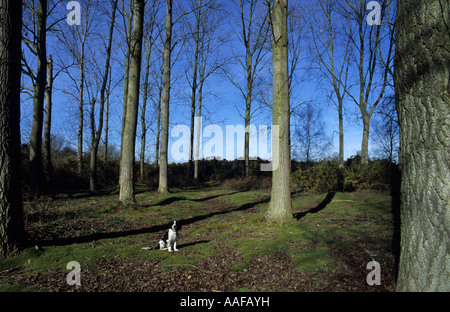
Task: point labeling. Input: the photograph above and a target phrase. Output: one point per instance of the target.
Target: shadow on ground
(318, 208)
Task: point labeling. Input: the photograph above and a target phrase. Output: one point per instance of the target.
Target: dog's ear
(179, 226)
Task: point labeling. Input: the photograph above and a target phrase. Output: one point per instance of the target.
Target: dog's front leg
(175, 246)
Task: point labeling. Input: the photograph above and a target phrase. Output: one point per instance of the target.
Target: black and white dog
(169, 240)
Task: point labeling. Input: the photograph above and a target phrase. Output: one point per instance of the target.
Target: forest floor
(225, 243)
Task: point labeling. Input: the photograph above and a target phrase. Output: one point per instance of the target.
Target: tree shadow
(192, 243)
(318, 208)
(173, 199)
(145, 230)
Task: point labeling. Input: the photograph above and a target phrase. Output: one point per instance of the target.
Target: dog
(169, 240)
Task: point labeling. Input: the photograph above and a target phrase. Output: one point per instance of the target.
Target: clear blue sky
(220, 103)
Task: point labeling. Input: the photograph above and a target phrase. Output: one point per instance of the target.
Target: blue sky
(221, 100)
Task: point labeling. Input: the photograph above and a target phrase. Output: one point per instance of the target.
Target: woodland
(93, 95)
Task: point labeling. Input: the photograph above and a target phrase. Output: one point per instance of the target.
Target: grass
(355, 223)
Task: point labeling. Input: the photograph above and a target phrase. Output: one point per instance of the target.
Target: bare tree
(149, 41)
(310, 133)
(48, 121)
(38, 46)
(386, 130)
(75, 39)
(12, 232)
(374, 45)
(254, 35)
(97, 134)
(331, 51)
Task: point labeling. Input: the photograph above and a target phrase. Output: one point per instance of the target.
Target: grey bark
(163, 178)
(48, 121)
(280, 202)
(126, 195)
(422, 82)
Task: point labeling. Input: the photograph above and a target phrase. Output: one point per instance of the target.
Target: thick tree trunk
(12, 233)
(280, 203)
(422, 82)
(38, 101)
(163, 179)
(126, 195)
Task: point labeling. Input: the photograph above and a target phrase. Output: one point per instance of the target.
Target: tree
(254, 34)
(149, 41)
(126, 195)
(422, 71)
(96, 135)
(280, 202)
(75, 40)
(374, 45)
(48, 121)
(331, 52)
(386, 129)
(163, 178)
(38, 100)
(310, 133)
(12, 232)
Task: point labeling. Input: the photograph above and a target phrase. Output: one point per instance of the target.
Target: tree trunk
(126, 195)
(341, 131)
(158, 128)
(194, 87)
(365, 139)
(199, 126)
(163, 179)
(48, 121)
(127, 73)
(144, 108)
(96, 135)
(38, 101)
(422, 82)
(280, 203)
(12, 232)
(81, 112)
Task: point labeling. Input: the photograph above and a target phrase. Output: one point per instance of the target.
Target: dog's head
(174, 226)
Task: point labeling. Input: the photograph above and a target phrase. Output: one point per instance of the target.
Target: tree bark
(144, 107)
(280, 203)
(127, 70)
(12, 232)
(126, 195)
(422, 82)
(198, 16)
(38, 101)
(163, 178)
(48, 121)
